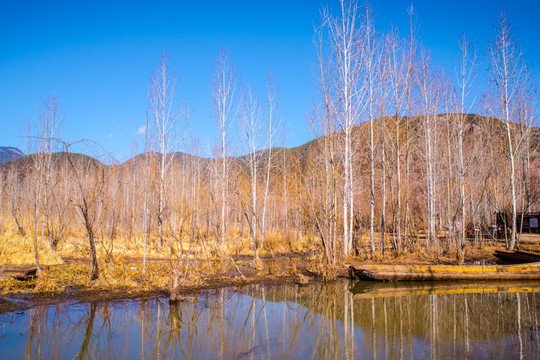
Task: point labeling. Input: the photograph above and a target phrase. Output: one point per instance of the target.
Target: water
(335, 321)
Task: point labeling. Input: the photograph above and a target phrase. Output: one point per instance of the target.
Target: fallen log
(445, 272)
(19, 272)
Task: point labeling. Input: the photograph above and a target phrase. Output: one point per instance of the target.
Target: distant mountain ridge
(8, 154)
(298, 155)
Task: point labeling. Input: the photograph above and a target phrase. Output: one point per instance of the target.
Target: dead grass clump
(45, 284)
(324, 272)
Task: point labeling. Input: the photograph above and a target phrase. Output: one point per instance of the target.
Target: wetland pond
(340, 320)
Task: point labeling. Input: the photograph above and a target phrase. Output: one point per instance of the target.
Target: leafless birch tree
(430, 96)
(251, 126)
(344, 42)
(465, 77)
(225, 107)
(398, 76)
(272, 129)
(370, 65)
(328, 228)
(164, 124)
(506, 77)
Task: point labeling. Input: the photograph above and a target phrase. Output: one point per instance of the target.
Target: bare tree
(465, 77)
(42, 161)
(272, 129)
(526, 117)
(383, 94)
(428, 87)
(90, 183)
(225, 106)
(146, 196)
(344, 42)
(506, 77)
(411, 57)
(370, 68)
(164, 122)
(50, 126)
(398, 76)
(327, 227)
(251, 123)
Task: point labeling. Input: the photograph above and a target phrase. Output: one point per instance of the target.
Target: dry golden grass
(120, 260)
(19, 250)
(12, 286)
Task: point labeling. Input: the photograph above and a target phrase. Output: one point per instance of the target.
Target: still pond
(321, 321)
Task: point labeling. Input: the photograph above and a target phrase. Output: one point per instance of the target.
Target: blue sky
(98, 57)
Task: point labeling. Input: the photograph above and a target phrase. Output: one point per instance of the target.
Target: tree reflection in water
(334, 321)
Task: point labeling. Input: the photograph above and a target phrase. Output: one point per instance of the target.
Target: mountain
(296, 157)
(8, 154)
(82, 162)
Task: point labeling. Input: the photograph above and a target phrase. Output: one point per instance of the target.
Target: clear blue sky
(98, 56)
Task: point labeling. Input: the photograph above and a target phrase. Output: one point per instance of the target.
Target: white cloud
(141, 130)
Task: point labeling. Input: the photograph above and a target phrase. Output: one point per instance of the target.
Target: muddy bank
(122, 278)
(21, 295)
(25, 301)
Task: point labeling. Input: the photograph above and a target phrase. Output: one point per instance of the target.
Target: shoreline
(70, 281)
(122, 279)
(24, 301)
